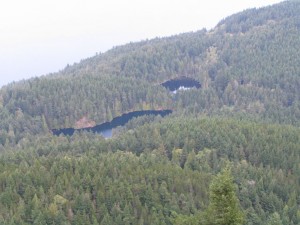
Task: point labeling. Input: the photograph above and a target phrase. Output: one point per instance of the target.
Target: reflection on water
(106, 133)
(181, 88)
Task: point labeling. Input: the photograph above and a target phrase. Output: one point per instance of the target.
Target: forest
(229, 153)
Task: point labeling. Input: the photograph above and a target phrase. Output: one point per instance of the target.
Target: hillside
(245, 115)
(244, 65)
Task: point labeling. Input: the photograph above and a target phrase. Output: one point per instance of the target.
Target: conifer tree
(224, 206)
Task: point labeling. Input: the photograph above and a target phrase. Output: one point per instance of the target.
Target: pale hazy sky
(38, 37)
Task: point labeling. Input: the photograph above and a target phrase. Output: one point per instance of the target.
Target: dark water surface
(105, 129)
(181, 82)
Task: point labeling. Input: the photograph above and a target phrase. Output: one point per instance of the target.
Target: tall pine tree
(224, 206)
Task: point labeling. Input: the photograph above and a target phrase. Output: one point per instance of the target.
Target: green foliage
(247, 66)
(84, 178)
(106, 188)
(274, 219)
(158, 171)
(224, 206)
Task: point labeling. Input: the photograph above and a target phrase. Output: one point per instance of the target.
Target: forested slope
(245, 116)
(154, 175)
(247, 64)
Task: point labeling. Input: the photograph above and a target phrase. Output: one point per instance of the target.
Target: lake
(181, 83)
(105, 129)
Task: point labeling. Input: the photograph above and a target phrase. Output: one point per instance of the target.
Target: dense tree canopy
(170, 170)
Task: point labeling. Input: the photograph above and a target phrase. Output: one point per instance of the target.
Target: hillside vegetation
(244, 120)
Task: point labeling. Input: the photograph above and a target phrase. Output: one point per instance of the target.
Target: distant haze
(39, 37)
